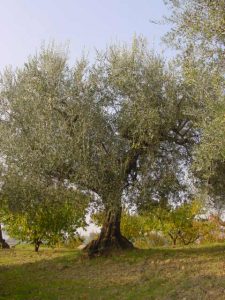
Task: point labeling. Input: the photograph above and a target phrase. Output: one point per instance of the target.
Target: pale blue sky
(89, 24)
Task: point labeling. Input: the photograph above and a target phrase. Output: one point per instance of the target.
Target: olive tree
(198, 33)
(198, 25)
(102, 127)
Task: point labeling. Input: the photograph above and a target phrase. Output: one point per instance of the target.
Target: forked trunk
(3, 243)
(110, 237)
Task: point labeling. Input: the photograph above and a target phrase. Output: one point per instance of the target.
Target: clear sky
(85, 24)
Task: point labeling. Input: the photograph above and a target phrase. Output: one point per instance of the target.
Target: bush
(151, 239)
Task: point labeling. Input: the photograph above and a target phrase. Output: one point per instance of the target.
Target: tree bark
(3, 243)
(37, 244)
(110, 237)
(174, 239)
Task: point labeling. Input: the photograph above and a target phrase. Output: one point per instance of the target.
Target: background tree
(198, 26)
(41, 215)
(180, 224)
(100, 127)
(198, 33)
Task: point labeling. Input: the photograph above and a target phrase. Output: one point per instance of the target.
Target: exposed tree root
(110, 238)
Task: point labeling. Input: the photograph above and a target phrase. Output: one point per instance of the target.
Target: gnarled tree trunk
(110, 237)
(3, 243)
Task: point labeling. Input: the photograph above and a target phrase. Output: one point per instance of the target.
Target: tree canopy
(41, 214)
(107, 128)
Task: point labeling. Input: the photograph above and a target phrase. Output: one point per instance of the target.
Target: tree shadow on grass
(156, 272)
(213, 250)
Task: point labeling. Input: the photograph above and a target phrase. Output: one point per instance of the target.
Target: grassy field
(63, 274)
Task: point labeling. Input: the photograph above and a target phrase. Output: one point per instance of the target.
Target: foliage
(109, 128)
(217, 229)
(210, 233)
(39, 214)
(180, 223)
(133, 226)
(152, 239)
(198, 32)
(198, 25)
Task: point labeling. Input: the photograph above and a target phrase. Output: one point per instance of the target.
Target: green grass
(63, 274)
